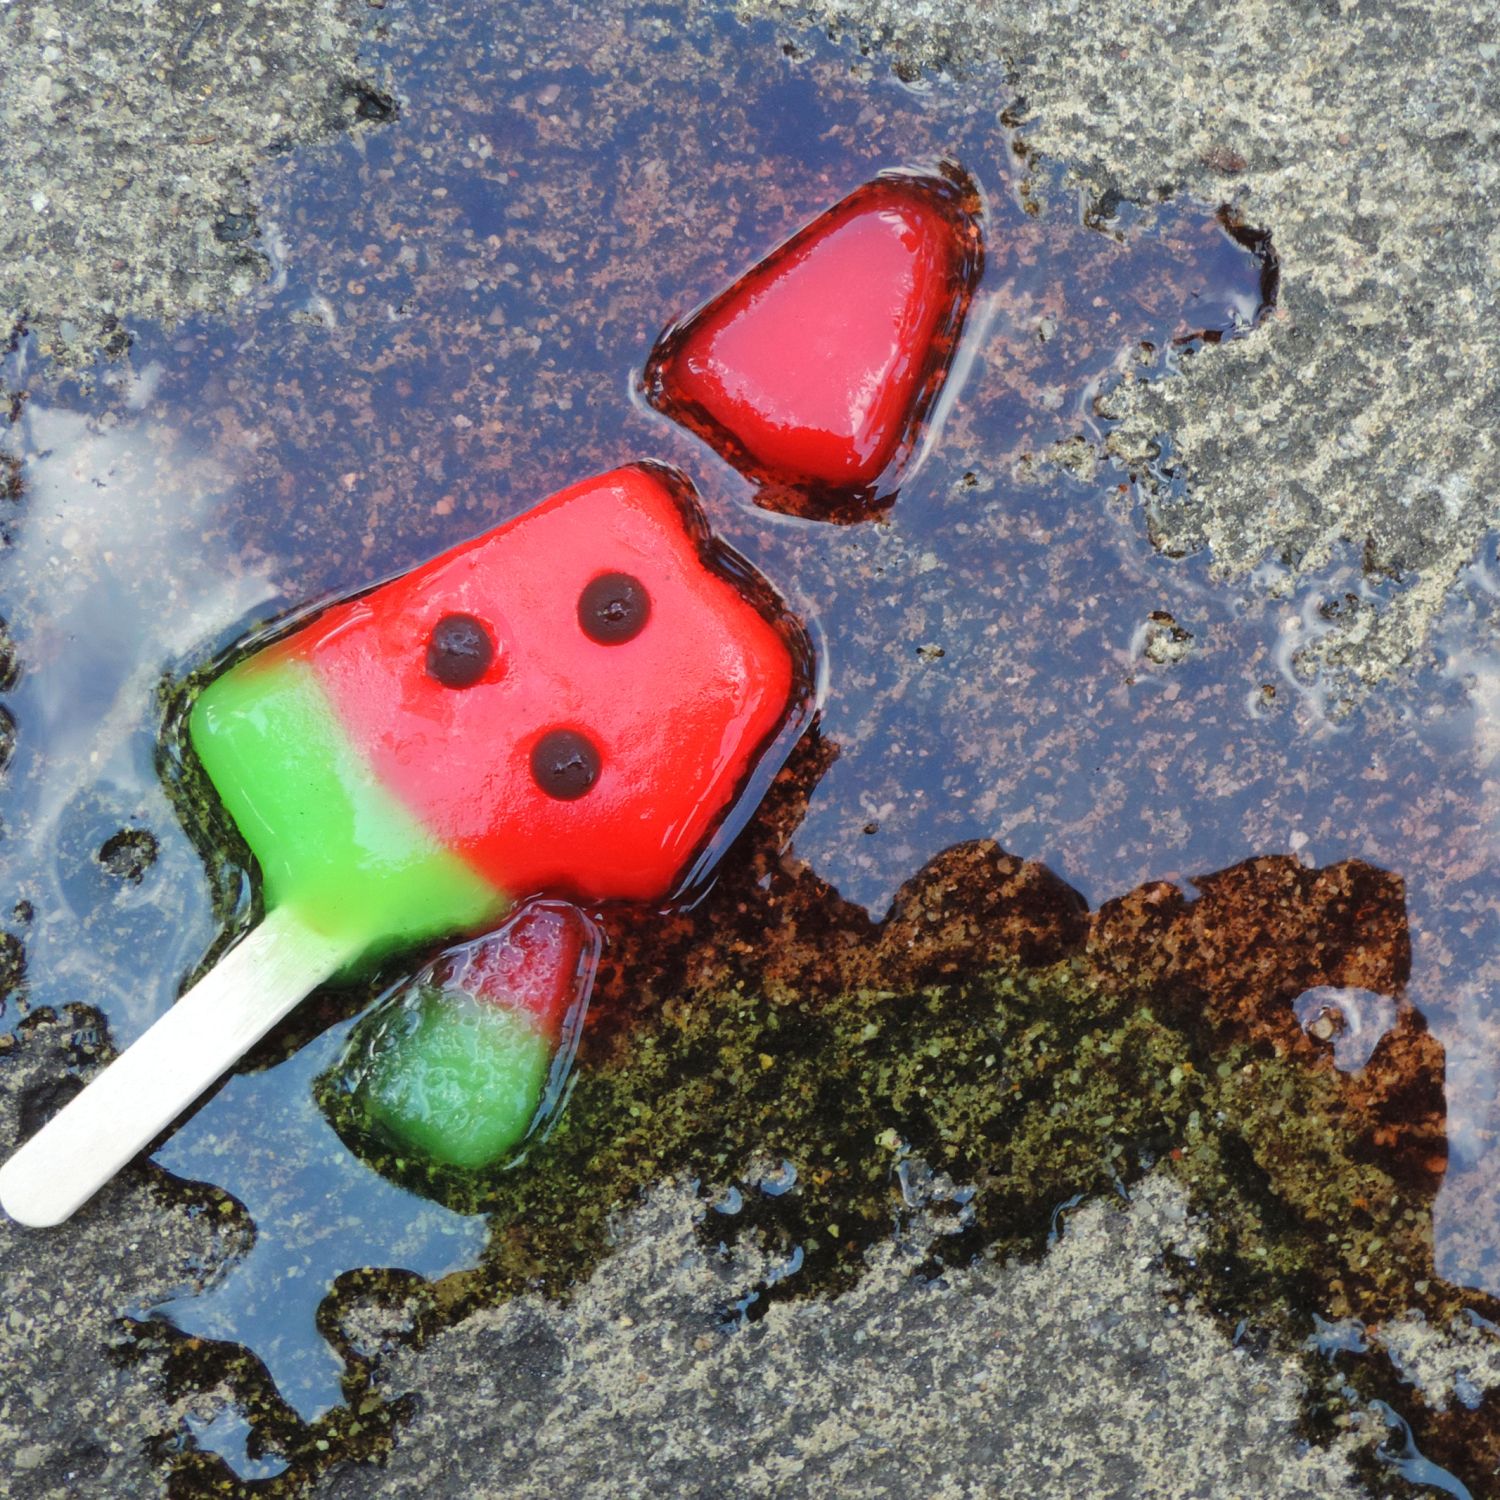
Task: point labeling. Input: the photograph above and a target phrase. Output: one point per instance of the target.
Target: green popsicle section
(332, 843)
(453, 1078)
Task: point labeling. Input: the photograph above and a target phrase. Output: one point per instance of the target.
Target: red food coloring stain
(814, 371)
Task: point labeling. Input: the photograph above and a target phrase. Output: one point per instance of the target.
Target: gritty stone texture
(130, 132)
(1457, 1361)
(389, 454)
(900, 1387)
(1366, 138)
(71, 1401)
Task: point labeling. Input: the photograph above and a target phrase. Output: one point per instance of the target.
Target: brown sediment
(1261, 931)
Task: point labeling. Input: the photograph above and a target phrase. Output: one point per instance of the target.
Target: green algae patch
(972, 1080)
(1034, 1086)
(1020, 1090)
(1157, 1039)
(963, 1117)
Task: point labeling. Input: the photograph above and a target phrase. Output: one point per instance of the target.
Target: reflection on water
(456, 308)
(113, 574)
(1351, 1019)
(318, 1212)
(229, 1433)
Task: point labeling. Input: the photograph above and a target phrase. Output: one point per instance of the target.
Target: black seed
(565, 764)
(460, 651)
(614, 608)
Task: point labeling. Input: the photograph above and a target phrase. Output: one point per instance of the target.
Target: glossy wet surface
(456, 310)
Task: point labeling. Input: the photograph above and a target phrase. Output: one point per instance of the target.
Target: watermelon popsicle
(579, 704)
(462, 1062)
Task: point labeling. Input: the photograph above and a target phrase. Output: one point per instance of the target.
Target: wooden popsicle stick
(138, 1095)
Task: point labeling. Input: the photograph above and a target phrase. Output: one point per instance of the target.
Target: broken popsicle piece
(579, 703)
(814, 371)
(460, 1064)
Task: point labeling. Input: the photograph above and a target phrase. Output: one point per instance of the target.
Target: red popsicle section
(816, 368)
(569, 703)
(538, 964)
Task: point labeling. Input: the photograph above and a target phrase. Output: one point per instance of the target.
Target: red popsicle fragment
(816, 368)
(465, 1060)
(538, 965)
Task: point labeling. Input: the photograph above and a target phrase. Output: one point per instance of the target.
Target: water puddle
(1223, 909)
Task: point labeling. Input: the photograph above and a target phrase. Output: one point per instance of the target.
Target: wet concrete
(1367, 138)
(73, 1393)
(131, 133)
(1087, 1375)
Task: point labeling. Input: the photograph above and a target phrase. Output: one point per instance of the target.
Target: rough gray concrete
(71, 1402)
(1458, 1362)
(131, 131)
(1366, 137)
(1086, 1375)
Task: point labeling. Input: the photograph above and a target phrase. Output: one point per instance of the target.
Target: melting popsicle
(575, 704)
(583, 704)
(815, 370)
(462, 1062)
(564, 706)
